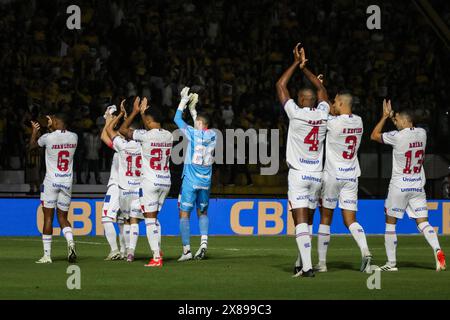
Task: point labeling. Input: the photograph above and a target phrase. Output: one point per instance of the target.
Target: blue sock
(203, 223)
(185, 231)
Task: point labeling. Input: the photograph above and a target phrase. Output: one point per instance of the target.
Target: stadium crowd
(230, 52)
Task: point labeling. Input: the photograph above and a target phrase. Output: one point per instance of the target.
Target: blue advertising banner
(23, 217)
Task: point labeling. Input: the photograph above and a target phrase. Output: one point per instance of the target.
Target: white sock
(310, 227)
(204, 241)
(323, 240)
(158, 225)
(186, 249)
(429, 233)
(47, 241)
(123, 246)
(152, 236)
(134, 234)
(298, 262)
(110, 234)
(126, 235)
(390, 242)
(303, 239)
(360, 237)
(67, 232)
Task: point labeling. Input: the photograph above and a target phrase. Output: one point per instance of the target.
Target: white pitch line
(210, 248)
(58, 241)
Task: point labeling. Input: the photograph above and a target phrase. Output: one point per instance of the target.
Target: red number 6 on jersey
(63, 161)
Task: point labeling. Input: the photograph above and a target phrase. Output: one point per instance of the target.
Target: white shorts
(304, 189)
(129, 203)
(344, 190)
(56, 194)
(152, 195)
(111, 206)
(413, 200)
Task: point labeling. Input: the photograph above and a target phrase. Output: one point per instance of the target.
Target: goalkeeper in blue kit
(197, 173)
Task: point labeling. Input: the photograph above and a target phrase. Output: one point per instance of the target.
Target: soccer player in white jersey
(307, 129)
(56, 190)
(111, 207)
(156, 146)
(340, 178)
(406, 189)
(130, 162)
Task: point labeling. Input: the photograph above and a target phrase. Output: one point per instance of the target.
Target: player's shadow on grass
(410, 264)
(332, 266)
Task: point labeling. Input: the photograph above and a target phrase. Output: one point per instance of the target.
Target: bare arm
(377, 134)
(110, 127)
(35, 134)
(104, 135)
(125, 127)
(282, 90)
(322, 94)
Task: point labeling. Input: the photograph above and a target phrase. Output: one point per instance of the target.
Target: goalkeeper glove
(185, 97)
(192, 103)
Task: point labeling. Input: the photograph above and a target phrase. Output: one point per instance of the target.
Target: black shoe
(308, 274)
(201, 254)
(72, 254)
(297, 270)
(365, 263)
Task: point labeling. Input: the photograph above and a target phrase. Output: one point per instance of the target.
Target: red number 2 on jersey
(155, 161)
(313, 139)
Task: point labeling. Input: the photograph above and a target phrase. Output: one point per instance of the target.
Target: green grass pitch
(236, 268)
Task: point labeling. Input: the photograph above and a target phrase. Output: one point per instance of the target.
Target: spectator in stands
(92, 145)
(446, 187)
(3, 145)
(131, 47)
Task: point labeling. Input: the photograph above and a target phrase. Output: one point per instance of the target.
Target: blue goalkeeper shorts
(193, 194)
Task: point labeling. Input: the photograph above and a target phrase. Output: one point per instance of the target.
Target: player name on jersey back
(307, 130)
(130, 163)
(344, 134)
(156, 146)
(60, 147)
(407, 157)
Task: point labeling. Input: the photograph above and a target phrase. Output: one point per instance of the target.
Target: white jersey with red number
(156, 148)
(130, 162)
(343, 140)
(307, 130)
(114, 175)
(407, 156)
(60, 147)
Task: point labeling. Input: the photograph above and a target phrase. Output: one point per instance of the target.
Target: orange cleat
(155, 263)
(440, 260)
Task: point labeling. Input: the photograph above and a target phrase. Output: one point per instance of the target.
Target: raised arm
(377, 134)
(125, 127)
(322, 94)
(282, 90)
(185, 97)
(192, 103)
(110, 127)
(104, 135)
(34, 135)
